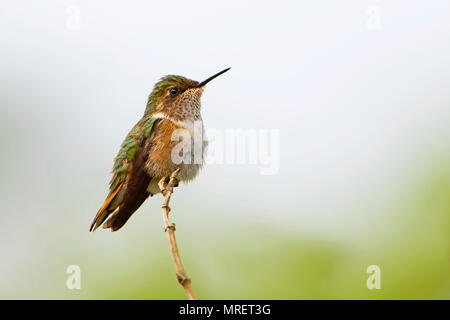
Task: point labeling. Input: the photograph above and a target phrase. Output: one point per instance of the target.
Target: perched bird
(146, 156)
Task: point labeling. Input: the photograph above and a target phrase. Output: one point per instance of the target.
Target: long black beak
(210, 78)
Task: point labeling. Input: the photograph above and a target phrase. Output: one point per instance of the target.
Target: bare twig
(167, 190)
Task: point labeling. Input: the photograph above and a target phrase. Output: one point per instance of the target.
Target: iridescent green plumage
(128, 150)
(123, 166)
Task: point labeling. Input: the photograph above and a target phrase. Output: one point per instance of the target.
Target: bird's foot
(166, 180)
(174, 182)
(174, 178)
(167, 184)
(163, 184)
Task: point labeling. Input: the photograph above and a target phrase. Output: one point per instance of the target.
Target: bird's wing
(128, 185)
(132, 144)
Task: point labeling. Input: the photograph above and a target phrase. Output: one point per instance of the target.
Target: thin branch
(167, 191)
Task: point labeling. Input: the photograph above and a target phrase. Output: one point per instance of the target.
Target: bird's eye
(173, 92)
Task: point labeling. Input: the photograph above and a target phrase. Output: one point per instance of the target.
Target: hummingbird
(145, 156)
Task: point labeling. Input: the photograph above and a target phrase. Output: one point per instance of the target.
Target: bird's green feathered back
(128, 149)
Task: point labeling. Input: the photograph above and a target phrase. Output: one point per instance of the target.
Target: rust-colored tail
(108, 207)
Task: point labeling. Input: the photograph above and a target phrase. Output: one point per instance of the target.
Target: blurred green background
(364, 157)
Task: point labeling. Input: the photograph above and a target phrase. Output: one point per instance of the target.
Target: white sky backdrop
(359, 110)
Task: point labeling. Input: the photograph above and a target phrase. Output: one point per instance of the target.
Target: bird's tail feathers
(106, 209)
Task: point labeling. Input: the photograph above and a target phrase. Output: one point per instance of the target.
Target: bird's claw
(175, 182)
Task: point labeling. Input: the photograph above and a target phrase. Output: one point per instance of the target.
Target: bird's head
(177, 97)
